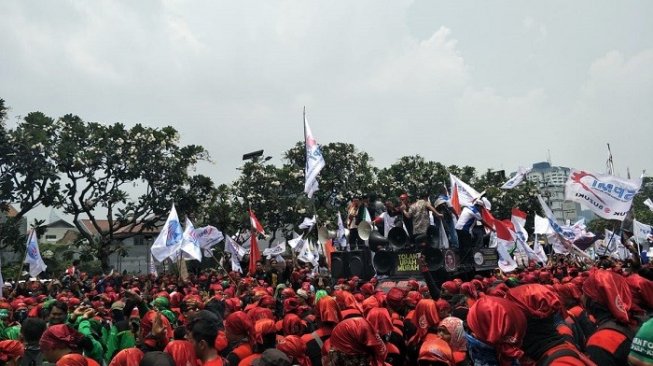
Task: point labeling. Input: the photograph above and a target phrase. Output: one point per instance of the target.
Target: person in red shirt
(203, 330)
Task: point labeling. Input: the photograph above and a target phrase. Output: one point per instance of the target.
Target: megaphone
(324, 235)
(398, 237)
(377, 240)
(384, 262)
(364, 230)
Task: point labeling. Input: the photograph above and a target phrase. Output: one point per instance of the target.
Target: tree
(347, 173)
(413, 175)
(128, 177)
(28, 170)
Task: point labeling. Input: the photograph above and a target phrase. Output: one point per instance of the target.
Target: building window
(139, 240)
(51, 237)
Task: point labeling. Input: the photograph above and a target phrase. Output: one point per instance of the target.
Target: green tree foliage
(101, 166)
(28, 171)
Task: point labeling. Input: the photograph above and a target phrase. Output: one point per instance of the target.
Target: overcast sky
(491, 84)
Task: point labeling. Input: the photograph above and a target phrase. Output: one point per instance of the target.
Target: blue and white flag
(208, 236)
(152, 268)
(190, 244)
(552, 220)
(607, 196)
(237, 252)
(518, 178)
(314, 161)
(33, 257)
(642, 231)
(168, 243)
(341, 237)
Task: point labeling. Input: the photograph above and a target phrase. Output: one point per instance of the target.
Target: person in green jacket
(82, 319)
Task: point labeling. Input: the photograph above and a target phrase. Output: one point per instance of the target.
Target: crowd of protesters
(565, 313)
(562, 314)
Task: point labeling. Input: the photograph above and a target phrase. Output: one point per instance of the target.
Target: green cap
(642, 346)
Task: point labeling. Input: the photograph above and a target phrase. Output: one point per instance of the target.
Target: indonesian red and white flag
(462, 194)
(505, 243)
(256, 225)
(518, 219)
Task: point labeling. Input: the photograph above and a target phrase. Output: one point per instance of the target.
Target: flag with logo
(168, 243)
(190, 245)
(256, 225)
(553, 224)
(276, 250)
(340, 239)
(152, 268)
(237, 252)
(208, 236)
(641, 231)
(314, 161)
(607, 196)
(33, 257)
(518, 178)
(505, 243)
(462, 194)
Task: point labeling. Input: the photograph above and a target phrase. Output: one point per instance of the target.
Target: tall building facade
(550, 181)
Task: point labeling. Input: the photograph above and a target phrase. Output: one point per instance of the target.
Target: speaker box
(339, 265)
(354, 263)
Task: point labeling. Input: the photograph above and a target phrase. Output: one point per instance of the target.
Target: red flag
(487, 217)
(254, 254)
(503, 233)
(455, 200)
(255, 223)
(328, 249)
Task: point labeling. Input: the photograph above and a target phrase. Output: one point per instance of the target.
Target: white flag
(466, 194)
(297, 243)
(505, 240)
(190, 244)
(234, 248)
(649, 203)
(276, 250)
(314, 161)
(542, 225)
(340, 238)
(237, 252)
(33, 257)
(537, 248)
(641, 231)
(208, 236)
(553, 224)
(168, 242)
(308, 223)
(152, 268)
(607, 196)
(518, 178)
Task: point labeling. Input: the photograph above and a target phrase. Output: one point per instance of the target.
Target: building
(59, 232)
(9, 255)
(550, 181)
(136, 244)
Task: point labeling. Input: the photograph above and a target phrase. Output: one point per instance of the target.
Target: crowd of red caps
(549, 316)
